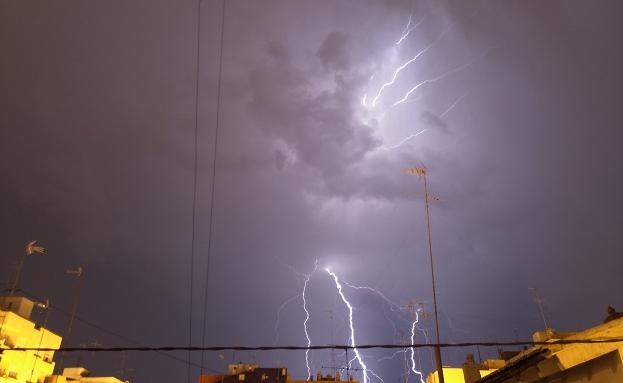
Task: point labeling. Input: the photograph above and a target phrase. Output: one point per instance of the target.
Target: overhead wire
(330, 347)
(213, 179)
(194, 200)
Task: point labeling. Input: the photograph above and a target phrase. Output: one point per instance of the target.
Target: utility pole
(421, 172)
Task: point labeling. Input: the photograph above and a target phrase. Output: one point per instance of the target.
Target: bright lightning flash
(404, 140)
(396, 307)
(413, 326)
(433, 80)
(307, 278)
(408, 29)
(397, 71)
(352, 327)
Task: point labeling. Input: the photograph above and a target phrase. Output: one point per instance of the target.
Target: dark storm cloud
(333, 52)
(318, 122)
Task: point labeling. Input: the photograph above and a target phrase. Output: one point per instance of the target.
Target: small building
(568, 363)
(248, 373)
(455, 375)
(80, 375)
(553, 363)
(253, 373)
(18, 331)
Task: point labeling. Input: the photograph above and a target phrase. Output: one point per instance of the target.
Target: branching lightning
(394, 307)
(392, 356)
(283, 306)
(377, 292)
(407, 63)
(413, 326)
(408, 29)
(404, 140)
(396, 72)
(307, 278)
(433, 80)
(376, 375)
(352, 327)
(455, 103)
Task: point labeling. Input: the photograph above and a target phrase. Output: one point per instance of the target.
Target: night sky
(517, 115)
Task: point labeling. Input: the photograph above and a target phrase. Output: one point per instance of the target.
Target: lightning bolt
(375, 291)
(376, 376)
(396, 72)
(408, 29)
(281, 308)
(393, 355)
(409, 62)
(413, 326)
(392, 305)
(403, 141)
(440, 77)
(455, 103)
(352, 327)
(307, 278)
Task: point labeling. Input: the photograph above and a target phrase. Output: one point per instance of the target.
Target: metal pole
(432, 271)
(347, 366)
(78, 274)
(17, 275)
(333, 362)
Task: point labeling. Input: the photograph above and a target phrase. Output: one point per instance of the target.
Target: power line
(194, 204)
(327, 347)
(214, 157)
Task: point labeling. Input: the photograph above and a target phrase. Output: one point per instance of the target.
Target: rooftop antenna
(333, 363)
(31, 248)
(539, 301)
(421, 172)
(77, 273)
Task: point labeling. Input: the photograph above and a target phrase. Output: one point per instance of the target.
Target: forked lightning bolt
(403, 141)
(396, 72)
(408, 29)
(433, 80)
(455, 103)
(281, 308)
(353, 343)
(392, 356)
(413, 326)
(307, 278)
(394, 306)
(407, 63)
